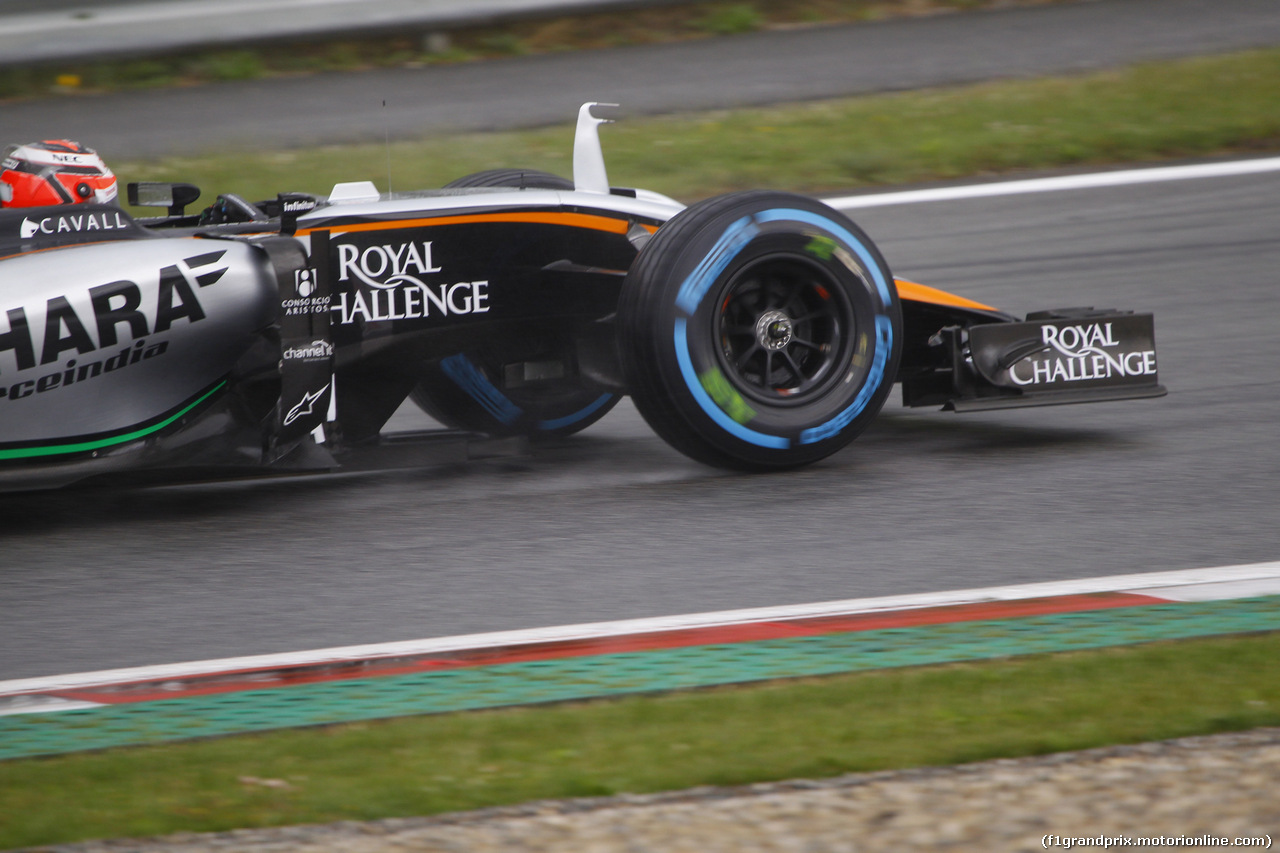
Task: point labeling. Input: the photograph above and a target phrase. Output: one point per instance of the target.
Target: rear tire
(531, 179)
(469, 390)
(759, 331)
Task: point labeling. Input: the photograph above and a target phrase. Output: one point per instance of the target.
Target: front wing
(977, 358)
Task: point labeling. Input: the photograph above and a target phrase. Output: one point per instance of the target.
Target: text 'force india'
(756, 330)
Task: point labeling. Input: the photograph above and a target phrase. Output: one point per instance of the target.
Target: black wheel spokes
(792, 296)
(780, 332)
(797, 373)
(759, 299)
(801, 342)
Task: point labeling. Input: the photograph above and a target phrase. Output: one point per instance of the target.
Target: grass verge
(731, 736)
(651, 24)
(1192, 108)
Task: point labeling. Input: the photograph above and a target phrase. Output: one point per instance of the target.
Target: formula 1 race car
(757, 330)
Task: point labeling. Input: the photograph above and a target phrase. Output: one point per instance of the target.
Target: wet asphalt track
(760, 68)
(613, 524)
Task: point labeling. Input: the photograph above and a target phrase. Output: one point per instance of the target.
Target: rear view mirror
(175, 197)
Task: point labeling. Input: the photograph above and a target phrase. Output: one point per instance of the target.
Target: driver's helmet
(55, 171)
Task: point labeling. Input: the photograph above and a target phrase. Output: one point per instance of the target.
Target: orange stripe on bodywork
(921, 293)
(573, 220)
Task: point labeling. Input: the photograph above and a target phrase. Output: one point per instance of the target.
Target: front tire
(759, 331)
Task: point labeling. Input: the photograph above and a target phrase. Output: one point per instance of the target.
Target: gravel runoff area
(1212, 788)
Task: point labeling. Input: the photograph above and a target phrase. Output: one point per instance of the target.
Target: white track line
(92, 16)
(1058, 184)
(36, 704)
(1235, 581)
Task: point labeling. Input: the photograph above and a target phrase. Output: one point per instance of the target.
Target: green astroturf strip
(598, 676)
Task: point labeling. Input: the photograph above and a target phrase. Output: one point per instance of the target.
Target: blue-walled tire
(466, 391)
(759, 330)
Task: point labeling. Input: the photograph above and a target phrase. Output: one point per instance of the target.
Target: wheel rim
(783, 327)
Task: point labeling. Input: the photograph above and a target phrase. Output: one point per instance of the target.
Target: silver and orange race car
(756, 330)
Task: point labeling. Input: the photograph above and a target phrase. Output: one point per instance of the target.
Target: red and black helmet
(55, 171)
